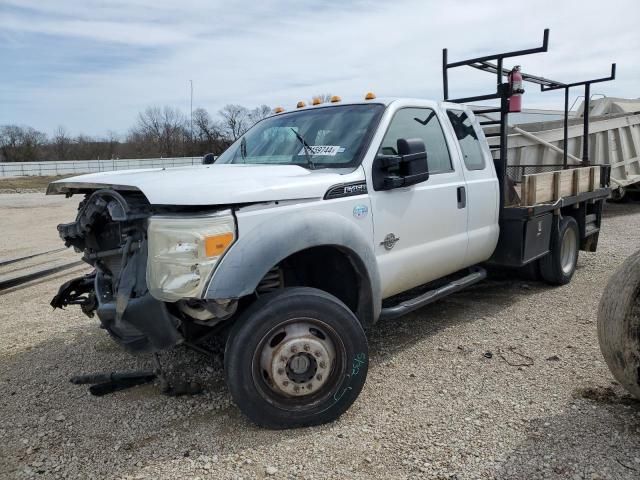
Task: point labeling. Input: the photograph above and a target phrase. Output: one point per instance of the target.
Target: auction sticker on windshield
(325, 150)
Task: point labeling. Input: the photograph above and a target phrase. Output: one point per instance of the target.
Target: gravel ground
(434, 406)
(28, 222)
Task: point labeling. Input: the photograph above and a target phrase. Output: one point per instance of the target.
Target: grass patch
(19, 183)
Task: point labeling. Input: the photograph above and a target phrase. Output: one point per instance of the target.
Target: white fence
(73, 167)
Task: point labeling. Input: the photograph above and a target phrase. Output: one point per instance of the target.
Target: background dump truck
(314, 225)
(613, 132)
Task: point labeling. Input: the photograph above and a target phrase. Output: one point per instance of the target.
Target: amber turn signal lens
(215, 245)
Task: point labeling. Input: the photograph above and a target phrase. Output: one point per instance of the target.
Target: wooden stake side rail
(551, 186)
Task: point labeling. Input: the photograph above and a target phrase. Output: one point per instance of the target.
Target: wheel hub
(300, 363)
(301, 368)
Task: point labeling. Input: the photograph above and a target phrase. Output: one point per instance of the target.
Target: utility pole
(191, 119)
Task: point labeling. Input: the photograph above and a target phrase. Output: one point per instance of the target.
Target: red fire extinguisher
(516, 90)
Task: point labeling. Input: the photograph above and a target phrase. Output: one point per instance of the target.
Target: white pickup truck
(314, 225)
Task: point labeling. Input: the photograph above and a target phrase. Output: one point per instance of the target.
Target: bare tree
(159, 131)
(163, 130)
(112, 142)
(323, 97)
(208, 133)
(258, 113)
(61, 143)
(9, 141)
(235, 121)
(205, 129)
(21, 144)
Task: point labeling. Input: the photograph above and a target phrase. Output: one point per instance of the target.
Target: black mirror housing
(407, 168)
(208, 159)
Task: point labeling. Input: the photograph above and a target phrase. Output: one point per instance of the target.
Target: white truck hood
(213, 184)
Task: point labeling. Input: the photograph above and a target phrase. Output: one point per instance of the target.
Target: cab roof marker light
(335, 99)
(316, 101)
(301, 104)
(278, 110)
(370, 96)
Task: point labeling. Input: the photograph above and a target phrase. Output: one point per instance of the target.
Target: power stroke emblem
(360, 211)
(346, 190)
(389, 241)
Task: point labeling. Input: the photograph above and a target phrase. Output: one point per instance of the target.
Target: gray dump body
(614, 139)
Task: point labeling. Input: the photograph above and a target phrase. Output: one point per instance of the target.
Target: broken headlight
(183, 252)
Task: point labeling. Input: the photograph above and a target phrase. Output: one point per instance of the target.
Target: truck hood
(213, 184)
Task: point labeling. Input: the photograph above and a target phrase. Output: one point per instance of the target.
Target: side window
(468, 139)
(419, 123)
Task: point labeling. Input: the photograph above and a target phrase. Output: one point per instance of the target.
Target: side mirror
(407, 168)
(208, 159)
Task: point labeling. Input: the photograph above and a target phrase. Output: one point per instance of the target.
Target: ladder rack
(503, 92)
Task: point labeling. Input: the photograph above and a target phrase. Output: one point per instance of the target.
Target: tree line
(158, 132)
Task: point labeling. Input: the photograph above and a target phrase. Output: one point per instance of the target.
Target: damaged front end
(111, 232)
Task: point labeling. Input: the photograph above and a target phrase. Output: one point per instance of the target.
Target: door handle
(462, 197)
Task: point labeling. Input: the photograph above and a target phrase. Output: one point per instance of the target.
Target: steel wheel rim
(567, 251)
(283, 368)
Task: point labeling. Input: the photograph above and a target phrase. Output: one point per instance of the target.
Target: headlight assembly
(183, 252)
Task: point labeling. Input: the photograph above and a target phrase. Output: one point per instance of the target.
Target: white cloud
(279, 51)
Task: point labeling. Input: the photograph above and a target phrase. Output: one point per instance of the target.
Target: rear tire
(559, 265)
(619, 195)
(296, 357)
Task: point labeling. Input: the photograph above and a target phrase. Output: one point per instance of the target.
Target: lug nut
(322, 365)
(319, 377)
(283, 358)
(306, 347)
(317, 353)
(296, 389)
(310, 386)
(294, 349)
(285, 383)
(281, 371)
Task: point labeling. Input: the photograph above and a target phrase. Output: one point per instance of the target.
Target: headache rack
(532, 201)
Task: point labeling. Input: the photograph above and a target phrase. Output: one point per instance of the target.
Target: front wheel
(559, 265)
(296, 357)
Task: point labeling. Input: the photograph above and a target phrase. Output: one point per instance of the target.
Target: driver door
(429, 219)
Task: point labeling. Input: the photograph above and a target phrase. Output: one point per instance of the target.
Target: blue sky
(92, 65)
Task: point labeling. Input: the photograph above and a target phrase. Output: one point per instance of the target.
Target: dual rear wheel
(558, 266)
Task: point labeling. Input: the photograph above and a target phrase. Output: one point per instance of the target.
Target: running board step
(476, 275)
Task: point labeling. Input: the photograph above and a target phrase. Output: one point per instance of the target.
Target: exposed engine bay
(111, 232)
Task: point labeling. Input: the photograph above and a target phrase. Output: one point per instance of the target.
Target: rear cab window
(468, 140)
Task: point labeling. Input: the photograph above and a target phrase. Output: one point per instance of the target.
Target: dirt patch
(607, 395)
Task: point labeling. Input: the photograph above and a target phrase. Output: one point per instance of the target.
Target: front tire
(559, 265)
(296, 357)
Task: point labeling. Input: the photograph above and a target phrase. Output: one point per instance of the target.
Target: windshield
(315, 138)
